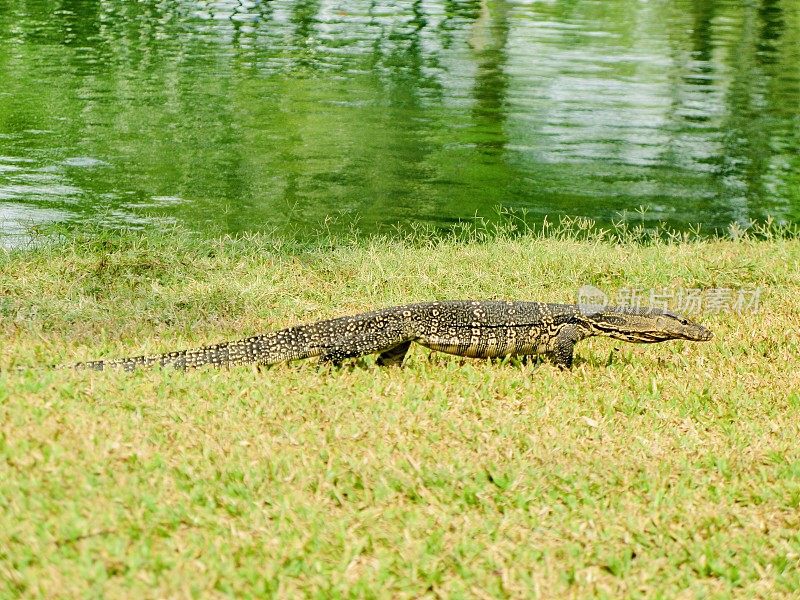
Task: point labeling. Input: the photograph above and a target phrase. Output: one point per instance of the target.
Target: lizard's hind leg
(393, 357)
(391, 351)
(387, 334)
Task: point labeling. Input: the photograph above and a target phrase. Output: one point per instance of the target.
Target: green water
(253, 115)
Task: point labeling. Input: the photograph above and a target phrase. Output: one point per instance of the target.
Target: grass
(664, 471)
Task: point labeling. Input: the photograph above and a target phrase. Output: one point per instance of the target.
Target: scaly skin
(477, 329)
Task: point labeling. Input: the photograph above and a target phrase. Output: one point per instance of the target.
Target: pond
(294, 115)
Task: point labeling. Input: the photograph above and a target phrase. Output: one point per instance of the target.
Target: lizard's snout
(698, 333)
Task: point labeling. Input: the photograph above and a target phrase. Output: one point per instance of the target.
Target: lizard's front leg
(564, 346)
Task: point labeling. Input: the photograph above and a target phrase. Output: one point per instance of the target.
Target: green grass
(670, 470)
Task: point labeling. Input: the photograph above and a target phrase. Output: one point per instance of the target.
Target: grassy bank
(663, 470)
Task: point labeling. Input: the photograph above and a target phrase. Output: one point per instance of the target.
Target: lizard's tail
(265, 349)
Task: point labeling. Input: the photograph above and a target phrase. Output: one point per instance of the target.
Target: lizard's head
(644, 326)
